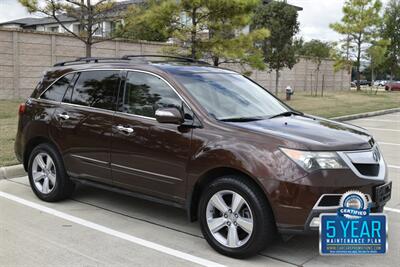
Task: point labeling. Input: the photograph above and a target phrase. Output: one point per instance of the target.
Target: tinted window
(96, 89)
(145, 93)
(57, 90)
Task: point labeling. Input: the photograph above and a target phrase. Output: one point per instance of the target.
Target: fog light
(315, 222)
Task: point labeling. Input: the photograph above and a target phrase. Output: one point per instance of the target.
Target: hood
(312, 132)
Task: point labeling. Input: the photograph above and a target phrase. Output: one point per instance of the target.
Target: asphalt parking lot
(99, 228)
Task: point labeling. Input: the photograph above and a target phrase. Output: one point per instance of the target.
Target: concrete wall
(24, 56)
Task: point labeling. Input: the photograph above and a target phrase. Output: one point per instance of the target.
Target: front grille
(367, 169)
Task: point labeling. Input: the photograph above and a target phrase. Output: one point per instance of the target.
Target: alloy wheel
(44, 173)
(229, 218)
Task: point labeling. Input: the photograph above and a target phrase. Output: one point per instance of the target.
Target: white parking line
(388, 144)
(109, 231)
(394, 166)
(392, 210)
(382, 129)
(380, 120)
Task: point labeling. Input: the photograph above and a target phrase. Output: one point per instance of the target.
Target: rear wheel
(47, 175)
(235, 217)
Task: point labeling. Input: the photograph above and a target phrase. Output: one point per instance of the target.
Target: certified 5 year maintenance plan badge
(353, 230)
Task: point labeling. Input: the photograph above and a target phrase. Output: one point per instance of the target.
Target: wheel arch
(208, 177)
(34, 142)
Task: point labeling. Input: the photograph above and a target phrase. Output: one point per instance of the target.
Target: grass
(331, 105)
(341, 103)
(8, 130)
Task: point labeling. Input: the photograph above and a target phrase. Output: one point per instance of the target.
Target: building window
(53, 29)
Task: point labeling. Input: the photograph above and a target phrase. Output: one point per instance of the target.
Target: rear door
(83, 124)
(148, 156)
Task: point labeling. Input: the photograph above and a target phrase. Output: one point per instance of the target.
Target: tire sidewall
(60, 173)
(253, 243)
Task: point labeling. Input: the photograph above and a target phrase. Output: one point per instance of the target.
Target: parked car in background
(363, 82)
(393, 86)
(201, 138)
(383, 83)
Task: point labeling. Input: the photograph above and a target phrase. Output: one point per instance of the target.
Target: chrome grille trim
(370, 156)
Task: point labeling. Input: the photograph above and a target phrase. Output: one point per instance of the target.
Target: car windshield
(231, 96)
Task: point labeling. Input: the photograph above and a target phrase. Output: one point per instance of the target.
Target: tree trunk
(276, 81)
(317, 83)
(358, 75)
(88, 49)
(194, 33)
(216, 61)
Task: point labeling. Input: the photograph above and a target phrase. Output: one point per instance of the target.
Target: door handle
(63, 116)
(127, 130)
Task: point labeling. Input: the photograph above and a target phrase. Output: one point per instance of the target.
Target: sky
(314, 19)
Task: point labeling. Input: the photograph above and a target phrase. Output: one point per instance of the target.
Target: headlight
(311, 161)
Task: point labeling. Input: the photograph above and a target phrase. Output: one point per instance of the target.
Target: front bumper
(329, 203)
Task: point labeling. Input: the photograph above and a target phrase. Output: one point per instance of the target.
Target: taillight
(22, 108)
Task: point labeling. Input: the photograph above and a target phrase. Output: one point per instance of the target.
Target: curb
(12, 171)
(365, 115)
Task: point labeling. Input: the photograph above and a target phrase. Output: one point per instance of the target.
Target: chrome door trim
(90, 159)
(146, 172)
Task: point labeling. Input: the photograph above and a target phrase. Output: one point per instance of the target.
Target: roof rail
(83, 60)
(187, 59)
(88, 60)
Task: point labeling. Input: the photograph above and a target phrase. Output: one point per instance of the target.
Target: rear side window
(96, 89)
(57, 90)
(145, 93)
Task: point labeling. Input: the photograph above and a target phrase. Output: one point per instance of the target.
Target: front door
(148, 156)
(83, 125)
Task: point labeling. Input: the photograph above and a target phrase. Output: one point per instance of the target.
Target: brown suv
(204, 139)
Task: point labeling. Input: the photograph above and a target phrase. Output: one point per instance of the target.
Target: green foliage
(377, 52)
(208, 29)
(359, 25)
(391, 32)
(89, 13)
(316, 50)
(153, 21)
(279, 49)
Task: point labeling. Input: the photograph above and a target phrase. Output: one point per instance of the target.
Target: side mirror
(169, 115)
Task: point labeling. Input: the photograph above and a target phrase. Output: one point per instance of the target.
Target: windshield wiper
(287, 113)
(242, 119)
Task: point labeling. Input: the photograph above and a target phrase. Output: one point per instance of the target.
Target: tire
(50, 183)
(255, 208)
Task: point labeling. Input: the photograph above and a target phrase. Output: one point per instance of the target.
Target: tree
(359, 25)
(88, 13)
(279, 49)
(208, 29)
(154, 20)
(317, 51)
(391, 32)
(376, 54)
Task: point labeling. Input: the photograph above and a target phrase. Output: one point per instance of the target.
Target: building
(49, 24)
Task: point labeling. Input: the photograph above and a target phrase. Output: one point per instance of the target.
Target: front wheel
(235, 217)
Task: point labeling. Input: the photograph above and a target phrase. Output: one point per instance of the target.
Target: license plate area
(383, 193)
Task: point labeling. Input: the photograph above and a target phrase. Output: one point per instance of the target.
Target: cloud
(316, 17)
(12, 9)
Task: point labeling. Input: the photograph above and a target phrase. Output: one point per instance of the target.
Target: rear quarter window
(56, 91)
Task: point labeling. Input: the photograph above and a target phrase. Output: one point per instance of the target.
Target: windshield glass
(230, 96)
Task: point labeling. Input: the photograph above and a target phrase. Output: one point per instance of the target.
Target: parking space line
(382, 129)
(388, 144)
(378, 120)
(394, 166)
(392, 210)
(109, 231)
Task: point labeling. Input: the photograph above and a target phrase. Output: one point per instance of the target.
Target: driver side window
(145, 93)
